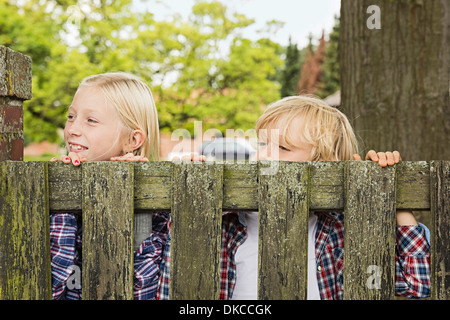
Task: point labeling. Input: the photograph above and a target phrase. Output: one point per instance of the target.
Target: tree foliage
(200, 68)
(329, 80)
(291, 72)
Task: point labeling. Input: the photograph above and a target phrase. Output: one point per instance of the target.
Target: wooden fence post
(369, 241)
(197, 196)
(24, 231)
(440, 212)
(108, 230)
(283, 231)
(15, 87)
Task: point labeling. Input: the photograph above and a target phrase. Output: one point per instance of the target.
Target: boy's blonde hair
(324, 127)
(134, 102)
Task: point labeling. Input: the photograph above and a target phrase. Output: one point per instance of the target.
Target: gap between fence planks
(199, 193)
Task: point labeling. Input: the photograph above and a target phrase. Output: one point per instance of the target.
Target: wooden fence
(116, 200)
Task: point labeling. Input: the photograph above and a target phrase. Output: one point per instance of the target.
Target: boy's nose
(262, 154)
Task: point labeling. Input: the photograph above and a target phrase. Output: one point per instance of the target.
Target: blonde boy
(304, 128)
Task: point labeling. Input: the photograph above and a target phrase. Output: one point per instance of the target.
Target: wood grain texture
(283, 232)
(440, 210)
(24, 231)
(108, 230)
(197, 193)
(369, 240)
(153, 183)
(394, 80)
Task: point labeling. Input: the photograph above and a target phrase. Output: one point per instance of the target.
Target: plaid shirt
(65, 248)
(152, 260)
(412, 261)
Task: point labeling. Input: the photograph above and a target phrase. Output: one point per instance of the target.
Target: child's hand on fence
(383, 158)
(129, 157)
(192, 157)
(72, 157)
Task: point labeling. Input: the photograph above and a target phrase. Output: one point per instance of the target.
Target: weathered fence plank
(109, 192)
(240, 190)
(108, 230)
(24, 231)
(369, 241)
(197, 193)
(283, 231)
(440, 210)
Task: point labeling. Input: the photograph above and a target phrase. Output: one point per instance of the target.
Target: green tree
(198, 69)
(329, 81)
(222, 79)
(291, 72)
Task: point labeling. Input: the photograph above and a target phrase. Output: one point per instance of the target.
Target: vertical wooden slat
(440, 210)
(369, 242)
(283, 231)
(197, 196)
(108, 229)
(24, 231)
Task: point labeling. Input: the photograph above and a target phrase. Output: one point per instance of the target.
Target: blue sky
(301, 17)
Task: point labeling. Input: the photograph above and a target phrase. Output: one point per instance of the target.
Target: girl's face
(273, 146)
(93, 128)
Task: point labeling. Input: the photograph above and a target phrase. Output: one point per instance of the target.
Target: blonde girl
(112, 117)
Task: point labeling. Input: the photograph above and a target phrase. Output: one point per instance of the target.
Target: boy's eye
(70, 117)
(92, 121)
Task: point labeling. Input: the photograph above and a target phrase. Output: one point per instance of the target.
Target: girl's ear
(137, 139)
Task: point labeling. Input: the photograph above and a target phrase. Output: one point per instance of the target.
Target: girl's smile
(74, 147)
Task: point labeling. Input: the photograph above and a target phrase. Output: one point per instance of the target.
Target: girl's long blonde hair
(133, 100)
(324, 127)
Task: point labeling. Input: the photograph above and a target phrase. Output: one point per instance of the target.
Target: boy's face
(273, 145)
(93, 129)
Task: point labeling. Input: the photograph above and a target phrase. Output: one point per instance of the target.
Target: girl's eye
(262, 144)
(92, 121)
(284, 149)
(70, 117)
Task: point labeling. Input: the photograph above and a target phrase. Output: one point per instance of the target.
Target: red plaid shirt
(412, 261)
(152, 260)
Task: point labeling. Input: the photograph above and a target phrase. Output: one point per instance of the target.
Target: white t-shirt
(246, 260)
(312, 292)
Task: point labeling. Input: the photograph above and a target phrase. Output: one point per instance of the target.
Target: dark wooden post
(15, 87)
(395, 75)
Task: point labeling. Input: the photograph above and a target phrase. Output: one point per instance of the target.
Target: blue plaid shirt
(152, 259)
(65, 248)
